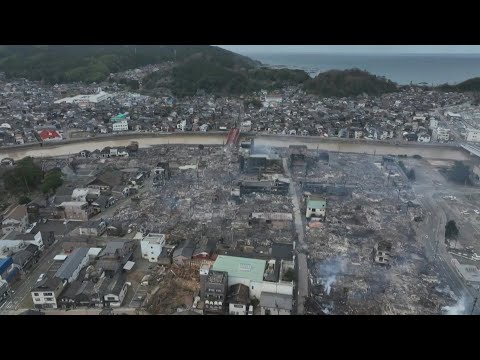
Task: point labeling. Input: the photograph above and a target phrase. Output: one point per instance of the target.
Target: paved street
(21, 289)
(302, 280)
(430, 190)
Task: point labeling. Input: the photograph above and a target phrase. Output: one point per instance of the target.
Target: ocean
(401, 68)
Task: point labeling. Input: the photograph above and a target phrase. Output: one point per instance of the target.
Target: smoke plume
(457, 309)
(328, 270)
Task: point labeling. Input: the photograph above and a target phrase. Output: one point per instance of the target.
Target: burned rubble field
(365, 207)
(196, 201)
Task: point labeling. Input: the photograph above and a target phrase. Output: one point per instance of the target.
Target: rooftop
(71, 264)
(316, 204)
(276, 301)
(217, 277)
(154, 238)
(246, 268)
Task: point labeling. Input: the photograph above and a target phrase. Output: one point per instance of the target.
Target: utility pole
(474, 303)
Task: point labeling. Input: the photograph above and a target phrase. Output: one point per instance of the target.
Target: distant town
(254, 216)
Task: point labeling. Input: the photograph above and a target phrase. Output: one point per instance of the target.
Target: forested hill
(193, 67)
(94, 63)
(352, 82)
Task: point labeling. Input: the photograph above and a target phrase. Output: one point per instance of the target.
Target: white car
(41, 277)
(476, 212)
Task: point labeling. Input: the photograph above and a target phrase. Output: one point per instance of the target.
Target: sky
(356, 49)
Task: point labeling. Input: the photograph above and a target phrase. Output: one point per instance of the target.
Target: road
(22, 288)
(430, 192)
(302, 279)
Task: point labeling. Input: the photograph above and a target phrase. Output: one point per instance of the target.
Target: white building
(433, 124)
(272, 100)
(424, 138)
(120, 125)
(473, 135)
(441, 134)
(80, 194)
(250, 272)
(45, 293)
(316, 208)
(246, 126)
(94, 98)
(152, 245)
(452, 115)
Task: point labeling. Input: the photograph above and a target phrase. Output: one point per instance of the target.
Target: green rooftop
(251, 269)
(119, 117)
(316, 204)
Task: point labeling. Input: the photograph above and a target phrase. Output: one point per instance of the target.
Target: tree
(289, 275)
(24, 200)
(451, 230)
(255, 302)
(24, 178)
(52, 181)
(460, 173)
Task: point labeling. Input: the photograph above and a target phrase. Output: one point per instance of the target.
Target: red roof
(49, 134)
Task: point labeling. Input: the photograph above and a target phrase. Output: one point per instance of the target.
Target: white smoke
(457, 309)
(328, 283)
(328, 270)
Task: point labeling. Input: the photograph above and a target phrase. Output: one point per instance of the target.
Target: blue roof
(5, 263)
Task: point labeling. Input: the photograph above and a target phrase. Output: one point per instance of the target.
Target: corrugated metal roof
(246, 268)
(71, 264)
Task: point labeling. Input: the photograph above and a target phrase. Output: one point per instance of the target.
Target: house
(103, 202)
(473, 135)
(31, 238)
(85, 153)
(114, 293)
(316, 209)
(69, 297)
(81, 194)
(107, 180)
(424, 138)
(183, 253)
(204, 248)
(15, 220)
(118, 252)
(76, 210)
(71, 267)
(25, 258)
(45, 293)
(238, 299)
(93, 228)
(246, 126)
(276, 304)
(116, 228)
(214, 286)
(151, 246)
(382, 252)
(49, 135)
